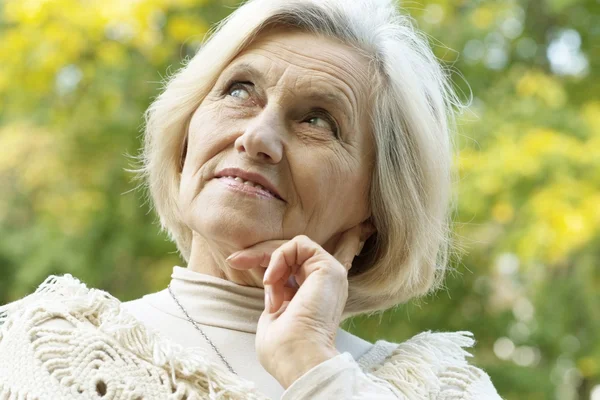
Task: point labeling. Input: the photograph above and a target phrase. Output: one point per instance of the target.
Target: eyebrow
(246, 69)
(332, 98)
(336, 101)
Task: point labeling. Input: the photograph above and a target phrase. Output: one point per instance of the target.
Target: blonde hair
(412, 119)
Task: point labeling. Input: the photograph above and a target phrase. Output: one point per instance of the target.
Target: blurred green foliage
(76, 77)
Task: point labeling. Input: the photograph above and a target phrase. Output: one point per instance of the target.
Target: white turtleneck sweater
(228, 314)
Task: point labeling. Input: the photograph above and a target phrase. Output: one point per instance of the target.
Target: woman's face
(289, 113)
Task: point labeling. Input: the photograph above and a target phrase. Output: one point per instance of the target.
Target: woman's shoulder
(346, 342)
(427, 366)
(434, 349)
(429, 363)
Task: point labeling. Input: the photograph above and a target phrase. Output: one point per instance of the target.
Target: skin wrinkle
(348, 87)
(273, 55)
(199, 174)
(350, 100)
(324, 180)
(313, 81)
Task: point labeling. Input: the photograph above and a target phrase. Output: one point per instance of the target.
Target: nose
(262, 139)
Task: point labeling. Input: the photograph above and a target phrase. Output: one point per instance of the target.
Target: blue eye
(239, 90)
(320, 122)
(323, 120)
(241, 93)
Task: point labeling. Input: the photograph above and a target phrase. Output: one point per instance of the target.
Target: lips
(250, 180)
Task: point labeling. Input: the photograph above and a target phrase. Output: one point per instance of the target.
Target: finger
(285, 288)
(286, 295)
(285, 262)
(289, 293)
(278, 273)
(288, 257)
(255, 256)
(267, 318)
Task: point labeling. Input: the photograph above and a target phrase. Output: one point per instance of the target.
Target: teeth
(249, 183)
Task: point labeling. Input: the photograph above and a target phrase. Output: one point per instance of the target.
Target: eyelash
(321, 113)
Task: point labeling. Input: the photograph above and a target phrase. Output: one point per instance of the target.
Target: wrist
(300, 360)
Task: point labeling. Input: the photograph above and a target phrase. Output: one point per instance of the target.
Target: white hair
(412, 119)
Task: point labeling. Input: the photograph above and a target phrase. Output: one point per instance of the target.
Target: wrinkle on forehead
(328, 61)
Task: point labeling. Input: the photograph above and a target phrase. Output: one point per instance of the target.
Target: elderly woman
(301, 163)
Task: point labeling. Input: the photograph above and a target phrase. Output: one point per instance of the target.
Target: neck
(209, 258)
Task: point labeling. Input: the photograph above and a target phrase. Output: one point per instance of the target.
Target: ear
(369, 228)
(364, 258)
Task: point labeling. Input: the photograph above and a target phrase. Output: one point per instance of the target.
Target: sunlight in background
(77, 76)
(565, 55)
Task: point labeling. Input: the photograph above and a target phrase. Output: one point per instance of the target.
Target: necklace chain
(201, 331)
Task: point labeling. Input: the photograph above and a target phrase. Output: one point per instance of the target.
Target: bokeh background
(77, 75)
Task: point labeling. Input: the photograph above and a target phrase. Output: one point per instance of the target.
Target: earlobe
(368, 229)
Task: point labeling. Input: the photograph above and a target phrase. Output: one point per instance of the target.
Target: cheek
(202, 147)
(344, 177)
(201, 135)
(348, 197)
(333, 186)
(209, 134)
(348, 189)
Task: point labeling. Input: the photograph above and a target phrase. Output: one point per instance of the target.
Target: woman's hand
(298, 327)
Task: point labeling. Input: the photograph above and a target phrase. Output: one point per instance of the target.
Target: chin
(231, 226)
(229, 217)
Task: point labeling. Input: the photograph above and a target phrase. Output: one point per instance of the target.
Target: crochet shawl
(100, 351)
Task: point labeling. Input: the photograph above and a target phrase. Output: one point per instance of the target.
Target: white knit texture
(104, 353)
(66, 341)
(432, 366)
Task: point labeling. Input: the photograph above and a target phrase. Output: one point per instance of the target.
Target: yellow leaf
(503, 212)
(482, 17)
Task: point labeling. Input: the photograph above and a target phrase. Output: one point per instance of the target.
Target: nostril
(264, 156)
(258, 148)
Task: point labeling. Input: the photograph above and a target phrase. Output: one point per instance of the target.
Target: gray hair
(412, 119)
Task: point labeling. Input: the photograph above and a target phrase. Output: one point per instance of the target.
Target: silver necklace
(201, 331)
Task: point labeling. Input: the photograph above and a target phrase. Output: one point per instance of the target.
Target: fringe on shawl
(7, 393)
(67, 296)
(430, 365)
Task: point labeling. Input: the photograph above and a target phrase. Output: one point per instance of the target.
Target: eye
(239, 90)
(322, 120)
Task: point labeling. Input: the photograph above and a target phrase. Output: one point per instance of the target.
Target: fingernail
(232, 256)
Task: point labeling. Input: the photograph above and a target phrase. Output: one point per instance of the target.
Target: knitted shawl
(99, 351)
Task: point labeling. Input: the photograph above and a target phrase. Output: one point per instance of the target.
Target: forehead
(308, 50)
(309, 58)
